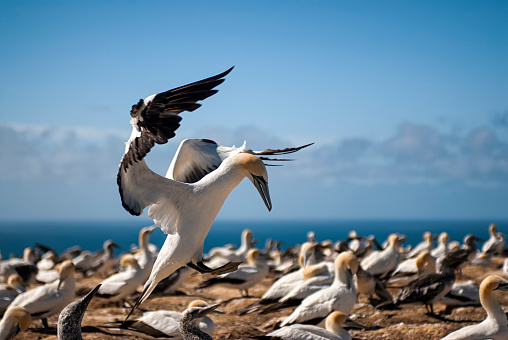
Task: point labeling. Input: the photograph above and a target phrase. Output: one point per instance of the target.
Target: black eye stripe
(259, 178)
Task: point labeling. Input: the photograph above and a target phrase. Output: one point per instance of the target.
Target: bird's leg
(45, 322)
(204, 269)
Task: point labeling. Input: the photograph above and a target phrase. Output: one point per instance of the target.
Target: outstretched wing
(155, 120)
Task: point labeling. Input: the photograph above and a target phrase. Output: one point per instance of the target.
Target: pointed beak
(207, 310)
(88, 297)
(262, 186)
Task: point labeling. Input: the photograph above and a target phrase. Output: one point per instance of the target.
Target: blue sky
(406, 101)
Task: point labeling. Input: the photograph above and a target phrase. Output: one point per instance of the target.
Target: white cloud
(414, 154)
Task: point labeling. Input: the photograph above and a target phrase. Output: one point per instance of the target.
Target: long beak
(207, 310)
(88, 297)
(262, 187)
(502, 286)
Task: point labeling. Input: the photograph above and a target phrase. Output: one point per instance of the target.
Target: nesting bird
(47, 300)
(16, 319)
(340, 296)
(189, 323)
(385, 261)
(184, 204)
(495, 325)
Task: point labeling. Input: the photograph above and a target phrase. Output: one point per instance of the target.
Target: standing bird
(16, 319)
(340, 296)
(184, 204)
(385, 261)
(118, 287)
(189, 323)
(69, 320)
(45, 301)
(246, 276)
(426, 245)
(495, 243)
(103, 261)
(494, 326)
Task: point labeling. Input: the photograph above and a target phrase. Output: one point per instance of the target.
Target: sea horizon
(90, 234)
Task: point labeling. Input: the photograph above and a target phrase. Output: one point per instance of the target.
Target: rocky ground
(409, 322)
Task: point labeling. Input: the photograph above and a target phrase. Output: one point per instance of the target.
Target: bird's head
(256, 172)
(21, 315)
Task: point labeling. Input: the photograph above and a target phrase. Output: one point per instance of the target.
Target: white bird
(184, 204)
(222, 255)
(49, 299)
(9, 291)
(412, 268)
(333, 331)
(442, 245)
(426, 245)
(144, 255)
(462, 294)
(24, 267)
(123, 284)
(383, 262)
(340, 296)
(16, 319)
(495, 325)
(505, 267)
(69, 320)
(246, 276)
(164, 323)
(495, 242)
(103, 261)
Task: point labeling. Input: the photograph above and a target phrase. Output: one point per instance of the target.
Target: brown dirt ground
(410, 322)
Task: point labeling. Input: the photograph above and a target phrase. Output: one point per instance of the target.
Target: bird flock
(313, 290)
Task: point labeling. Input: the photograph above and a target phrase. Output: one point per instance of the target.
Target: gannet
(123, 284)
(189, 323)
(333, 331)
(9, 291)
(48, 261)
(412, 268)
(144, 256)
(171, 284)
(69, 320)
(426, 245)
(340, 296)
(184, 204)
(103, 261)
(247, 243)
(383, 262)
(83, 261)
(442, 245)
(505, 267)
(24, 267)
(286, 283)
(462, 294)
(369, 285)
(495, 243)
(16, 319)
(246, 276)
(164, 323)
(430, 288)
(49, 299)
(495, 325)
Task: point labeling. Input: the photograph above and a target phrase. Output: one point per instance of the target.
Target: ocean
(89, 235)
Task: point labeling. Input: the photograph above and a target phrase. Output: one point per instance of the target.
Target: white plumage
(15, 320)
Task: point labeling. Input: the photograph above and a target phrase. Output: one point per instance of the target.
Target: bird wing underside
(155, 121)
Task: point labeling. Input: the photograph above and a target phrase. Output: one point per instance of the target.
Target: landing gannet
(184, 204)
(495, 243)
(340, 296)
(494, 326)
(246, 276)
(16, 319)
(383, 262)
(164, 323)
(49, 299)
(69, 320)
(333, 331)
(123, 284)
(189, 323)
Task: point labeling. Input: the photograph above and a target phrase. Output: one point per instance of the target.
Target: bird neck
(492, 307)
(190, 330)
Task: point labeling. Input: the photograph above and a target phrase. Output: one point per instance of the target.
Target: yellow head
(15, 281)
(21, 315)
(256, 172)
(347, 260)
(335, 320)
